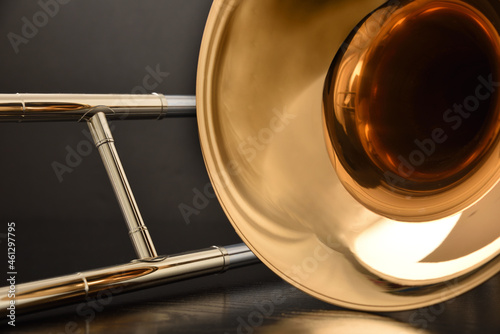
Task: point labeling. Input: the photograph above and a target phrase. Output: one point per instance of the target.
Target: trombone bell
(260, 93)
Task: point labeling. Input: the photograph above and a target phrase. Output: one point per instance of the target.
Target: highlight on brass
(412, 109)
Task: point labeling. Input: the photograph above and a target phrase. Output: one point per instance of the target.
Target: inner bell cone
(412, 111)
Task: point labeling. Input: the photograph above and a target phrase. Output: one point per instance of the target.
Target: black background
(102, 47)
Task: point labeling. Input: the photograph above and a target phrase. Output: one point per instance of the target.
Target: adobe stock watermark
(89, 309)
(422, 318)
(301, 271)
(252, 145)
(308, 265)
(74, 155)
(265, 308)
(31, 26)
(453, 119)
(249, 150)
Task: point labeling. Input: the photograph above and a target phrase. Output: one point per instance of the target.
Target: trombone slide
(149, 269)
(106, 282)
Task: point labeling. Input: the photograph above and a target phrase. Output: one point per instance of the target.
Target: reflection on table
(254, 300)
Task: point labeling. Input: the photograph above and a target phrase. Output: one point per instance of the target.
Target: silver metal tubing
(138, 232)
(181, 105)
(78, 107)
(106, 282)
(240, 255)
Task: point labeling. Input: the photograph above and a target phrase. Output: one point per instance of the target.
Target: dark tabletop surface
(74, 224)
(254, 300)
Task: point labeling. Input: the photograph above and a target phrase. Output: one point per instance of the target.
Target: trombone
(333, 202)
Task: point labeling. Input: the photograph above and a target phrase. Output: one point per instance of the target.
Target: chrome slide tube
(106, 282)
(79, 107)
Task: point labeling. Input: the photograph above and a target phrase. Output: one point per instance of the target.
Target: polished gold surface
(107, 282)
(105, 143)
(80, 107)
(262, 71)
(412, 118)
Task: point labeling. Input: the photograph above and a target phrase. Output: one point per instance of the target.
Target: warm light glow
(394, 250)
(397, 24)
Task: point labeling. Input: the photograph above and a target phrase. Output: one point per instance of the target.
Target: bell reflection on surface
(340, 322)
